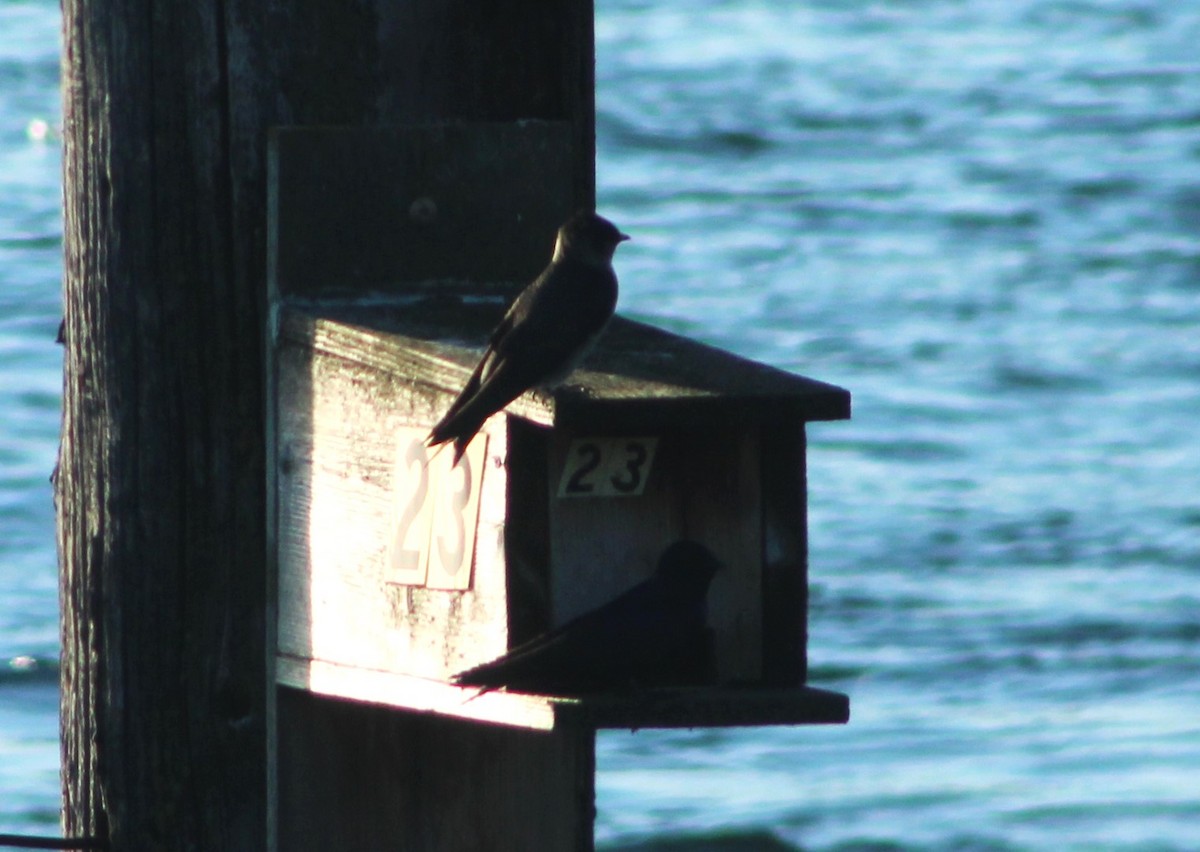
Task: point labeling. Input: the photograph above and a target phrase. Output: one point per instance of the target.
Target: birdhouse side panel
(348, 483)
(785, 554)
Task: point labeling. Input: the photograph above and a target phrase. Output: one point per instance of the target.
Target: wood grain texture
(162, 507)
(467, 201)
(424, 782)
(638, 375)
(337, 427)
(391, 689)
(160, 493)
(784, 554)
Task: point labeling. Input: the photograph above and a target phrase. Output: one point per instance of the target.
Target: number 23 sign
(432, 540)
(607, 467)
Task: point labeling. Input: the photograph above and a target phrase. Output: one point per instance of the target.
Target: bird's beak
(622, 237)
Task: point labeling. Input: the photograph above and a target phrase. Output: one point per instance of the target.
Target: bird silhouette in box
(655, 634)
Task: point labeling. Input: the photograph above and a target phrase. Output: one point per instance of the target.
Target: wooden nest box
(393, 255)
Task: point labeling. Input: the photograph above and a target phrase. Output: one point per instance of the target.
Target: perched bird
(547, 330)
(655, 634)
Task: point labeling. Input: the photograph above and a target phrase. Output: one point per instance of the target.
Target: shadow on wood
(364, 778)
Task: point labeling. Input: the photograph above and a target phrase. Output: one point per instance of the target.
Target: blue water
(30, 386)
(982, 217)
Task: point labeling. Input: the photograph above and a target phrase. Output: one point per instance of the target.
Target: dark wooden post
(161, 487)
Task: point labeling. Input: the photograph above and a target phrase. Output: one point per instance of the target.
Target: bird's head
(688, 565)
(589, 238)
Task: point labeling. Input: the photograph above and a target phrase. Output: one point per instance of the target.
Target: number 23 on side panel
(607, 467)
(432, 539)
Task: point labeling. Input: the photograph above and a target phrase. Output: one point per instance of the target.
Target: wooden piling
(161, 498)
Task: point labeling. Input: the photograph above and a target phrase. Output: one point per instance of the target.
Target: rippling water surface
(981, 217)
(30, 384)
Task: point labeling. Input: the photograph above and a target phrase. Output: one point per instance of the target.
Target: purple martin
(547, 330)
(654, 634)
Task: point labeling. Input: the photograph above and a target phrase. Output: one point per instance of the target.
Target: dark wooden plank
(784, 554)
(699, 708)
(466, 201)
(527, 532)
(425, 782)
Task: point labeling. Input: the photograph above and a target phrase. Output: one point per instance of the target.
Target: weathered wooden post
(162, 503)
(396, 569)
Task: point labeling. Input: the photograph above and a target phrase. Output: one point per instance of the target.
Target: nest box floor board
(664, 708)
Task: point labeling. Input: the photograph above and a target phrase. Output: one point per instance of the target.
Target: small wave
(1013, 377)
(707, 142)
(1103, 188)
(40, 68)
(1142, 260)
(1107, 78)
(1089, 120)
(28, 669)
(903, 119)
(1078, 633)
(725, 841)
(981, 220)
(1022, 178)
(1067, 15)
(32, 241)
(911, 450)
(831, 674)
(1190, 517)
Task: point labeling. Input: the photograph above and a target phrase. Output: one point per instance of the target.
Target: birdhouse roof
(637, 373)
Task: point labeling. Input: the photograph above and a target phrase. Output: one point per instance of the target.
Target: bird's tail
(462, 421)
(439, 437)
